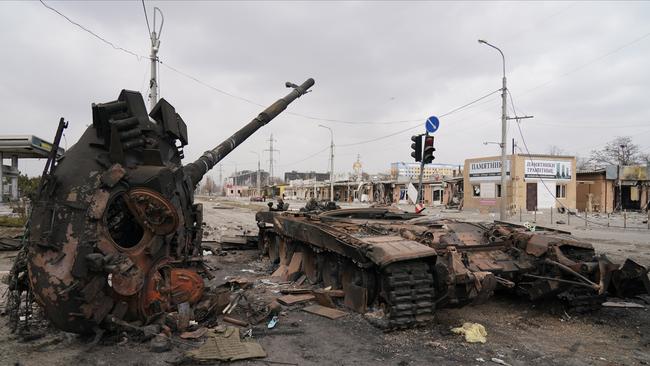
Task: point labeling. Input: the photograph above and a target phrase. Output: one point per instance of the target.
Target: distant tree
(555, 150)
(620, 150)
(583, 163)
(209, 186)
(27, 186)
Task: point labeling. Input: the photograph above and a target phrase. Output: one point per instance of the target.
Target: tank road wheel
(408, 293)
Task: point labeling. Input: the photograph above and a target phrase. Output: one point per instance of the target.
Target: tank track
(409, 293)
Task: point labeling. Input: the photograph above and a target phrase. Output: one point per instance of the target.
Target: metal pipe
(559, 280)
(210, 158)
(331, 162)
(571, 271)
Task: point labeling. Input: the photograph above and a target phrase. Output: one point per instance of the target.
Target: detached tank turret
(114, 229)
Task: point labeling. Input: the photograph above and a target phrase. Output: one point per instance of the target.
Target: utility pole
(271, 150)
(259, 184)
(619, 204)
(155, 46)
(221, 178)
(504, 132)
(331, 162)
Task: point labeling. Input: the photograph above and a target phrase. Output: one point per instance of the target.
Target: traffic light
(427, 155)
(416, 146)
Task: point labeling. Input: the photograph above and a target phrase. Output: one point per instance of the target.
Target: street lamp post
(331, 162)
(504, 89)
(259, 188)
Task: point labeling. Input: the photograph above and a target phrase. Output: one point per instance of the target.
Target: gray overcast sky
(581, 68)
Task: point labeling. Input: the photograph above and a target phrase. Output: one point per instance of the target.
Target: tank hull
(408, 265)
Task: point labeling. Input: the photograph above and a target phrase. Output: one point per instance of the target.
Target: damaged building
(613, 188)
(534, 182)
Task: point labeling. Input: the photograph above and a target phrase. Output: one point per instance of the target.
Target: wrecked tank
(114, 233)
(409, 264)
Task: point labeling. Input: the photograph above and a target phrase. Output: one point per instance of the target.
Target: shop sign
(548, 169)
(487, 170)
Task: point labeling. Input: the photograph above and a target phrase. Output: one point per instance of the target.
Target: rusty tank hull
(409, 265)
(114, 233)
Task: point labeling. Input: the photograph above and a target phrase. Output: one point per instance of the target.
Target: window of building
(476, 190)
(560, 191)
(498, 190)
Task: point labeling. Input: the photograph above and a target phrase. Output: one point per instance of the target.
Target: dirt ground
(519, 332)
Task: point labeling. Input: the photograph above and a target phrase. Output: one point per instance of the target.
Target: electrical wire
(591, 125)
(304, 159)
(576, 69)
(139, 57)
(165, 64)
(542, 179)
(419, 124)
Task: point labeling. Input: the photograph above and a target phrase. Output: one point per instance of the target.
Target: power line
(419, 124)
(591, 125)
(306, 158)
(605, 55)
(208, 85)
(139, 57)
(247, 100)
(521, 134)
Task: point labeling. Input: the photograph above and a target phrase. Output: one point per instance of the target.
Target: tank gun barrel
(210, 158)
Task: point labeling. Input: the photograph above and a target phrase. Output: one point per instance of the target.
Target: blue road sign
(432, 124)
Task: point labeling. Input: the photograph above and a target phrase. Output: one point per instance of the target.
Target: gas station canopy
(25, 147)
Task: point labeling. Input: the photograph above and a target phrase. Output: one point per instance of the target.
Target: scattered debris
(224, 344)
(198, 333)
(324, 311)
(295, 291)
(235, 321)
(273, 322)
(160, 343)
(622, 304)
(323, 298)
(499, 361)
(240, 242)
(300, 280)
(474, 332)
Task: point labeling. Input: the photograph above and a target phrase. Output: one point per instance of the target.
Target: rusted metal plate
(384, 250)
(356, 298)
(186, 286)
(324, 311)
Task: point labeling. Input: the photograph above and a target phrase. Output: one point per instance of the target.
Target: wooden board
(294, 299)
(324, 311)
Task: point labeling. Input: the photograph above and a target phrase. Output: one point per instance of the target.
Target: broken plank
(294, 291)
(323, 298)
(622, 304)
(295, 299)
(324, 311)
